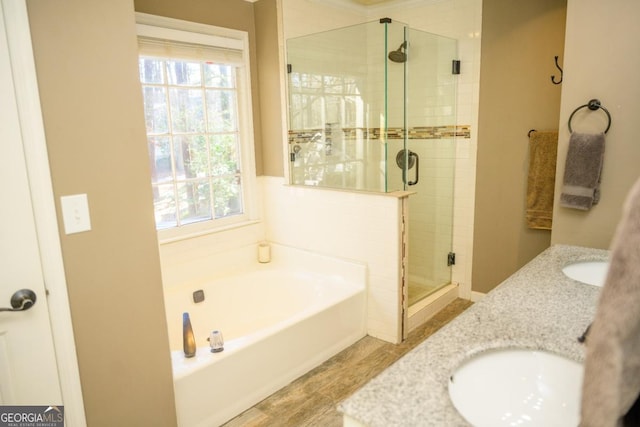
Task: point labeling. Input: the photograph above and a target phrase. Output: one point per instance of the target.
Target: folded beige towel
(581, 186)
(543, 148)
(612, 368)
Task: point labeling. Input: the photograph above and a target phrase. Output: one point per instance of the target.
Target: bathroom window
(197, 115)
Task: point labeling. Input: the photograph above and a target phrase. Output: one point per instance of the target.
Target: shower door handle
(417, 159)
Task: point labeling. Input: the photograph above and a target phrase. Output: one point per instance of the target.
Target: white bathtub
(279, 320)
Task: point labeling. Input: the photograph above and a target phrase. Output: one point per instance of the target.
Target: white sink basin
(590, 272)
(509, 387)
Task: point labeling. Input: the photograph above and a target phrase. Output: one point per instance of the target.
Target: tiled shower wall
(460, 20)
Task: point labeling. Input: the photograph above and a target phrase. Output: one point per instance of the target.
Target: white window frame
(190, 32)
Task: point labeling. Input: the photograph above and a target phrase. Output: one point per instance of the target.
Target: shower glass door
(372, 107)
(336, 108)
(430, 139)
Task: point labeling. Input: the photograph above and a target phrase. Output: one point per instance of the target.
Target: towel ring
(593, 105)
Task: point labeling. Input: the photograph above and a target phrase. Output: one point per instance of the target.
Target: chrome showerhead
(398, 55)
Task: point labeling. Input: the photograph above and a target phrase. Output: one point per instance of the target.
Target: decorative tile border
(418, 132)
(439, 132)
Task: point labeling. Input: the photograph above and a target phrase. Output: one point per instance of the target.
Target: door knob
(21, 300)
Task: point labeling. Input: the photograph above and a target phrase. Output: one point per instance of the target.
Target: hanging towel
(543, 148)
(581, 186)
(612, 367)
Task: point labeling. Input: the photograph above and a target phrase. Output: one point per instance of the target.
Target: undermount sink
(508, 387)
(590, 272)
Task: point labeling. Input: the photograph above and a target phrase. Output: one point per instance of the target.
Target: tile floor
(311, 399)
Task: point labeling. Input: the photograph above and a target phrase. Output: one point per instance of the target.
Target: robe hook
(553, 78)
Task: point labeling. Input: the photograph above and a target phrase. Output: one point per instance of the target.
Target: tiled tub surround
(537, 308)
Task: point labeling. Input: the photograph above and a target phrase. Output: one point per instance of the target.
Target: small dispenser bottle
(188, 339)
(216, 341)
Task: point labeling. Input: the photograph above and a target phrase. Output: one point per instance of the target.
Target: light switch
(75, 213)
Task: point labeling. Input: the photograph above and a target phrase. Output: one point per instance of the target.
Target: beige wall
(519, 42)
(235, 14)
(86, 62)
(602, 61)
(269, 68)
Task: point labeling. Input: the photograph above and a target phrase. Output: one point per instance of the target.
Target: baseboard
(476, 296)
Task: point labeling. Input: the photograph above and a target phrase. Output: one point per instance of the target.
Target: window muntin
(193, 139)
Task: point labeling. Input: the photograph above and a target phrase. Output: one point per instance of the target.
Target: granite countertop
(538, 308)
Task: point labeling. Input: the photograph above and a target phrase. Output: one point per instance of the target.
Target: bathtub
(279, 320)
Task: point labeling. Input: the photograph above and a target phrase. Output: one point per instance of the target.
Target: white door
(28, 372)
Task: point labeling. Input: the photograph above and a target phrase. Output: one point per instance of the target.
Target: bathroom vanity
(538, 308)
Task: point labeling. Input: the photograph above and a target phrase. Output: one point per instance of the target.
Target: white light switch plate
(75, 213)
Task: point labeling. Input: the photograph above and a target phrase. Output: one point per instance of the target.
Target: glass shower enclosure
(372, 107)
